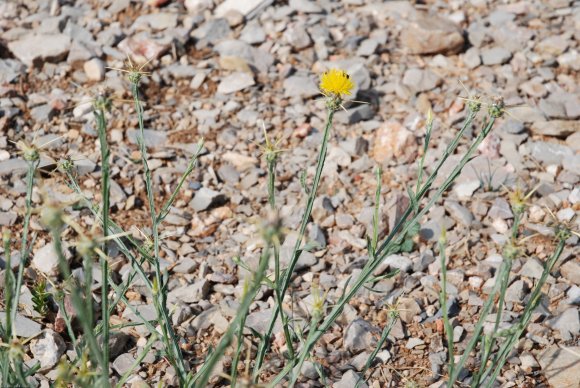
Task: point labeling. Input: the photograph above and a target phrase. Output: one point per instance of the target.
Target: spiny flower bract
(335, 82)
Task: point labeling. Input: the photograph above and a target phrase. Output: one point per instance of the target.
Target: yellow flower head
(335, 82)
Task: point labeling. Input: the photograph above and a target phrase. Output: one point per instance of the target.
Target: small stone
(48, 350)
(95, 69)
(350, 379)
(495, 56)
(33, 50)
(359, 336)
(465, 190)
(297, 37)
(213, 31)
(305, 6)
(459, 212)
(123, 363)
(550, 153)
(400, 262)
(300, 86)
(528, 361)
(413, 342)
(367, 48)
(532, 268)
(472, 58)
(22, 326)
(153, 138)
(235, 82)
(46, 259)
(567, 323)
(516, 292)
(571, 271)
(557, 128)
(253, 33)
(500, 209)
(560, 365)
(421, 80)
(206, 198)
(430, 34)
(246, 7)
(192, 293)
(392, 140)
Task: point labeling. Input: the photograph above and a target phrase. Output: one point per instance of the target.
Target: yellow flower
(335, 82)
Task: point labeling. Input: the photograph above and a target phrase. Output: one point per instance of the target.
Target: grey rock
(123, 363)
(33, 50)
(235, 82)
(228, 174)
(117, 342)
(567, 323)
(146, 311)
(550, 153)
(400, 262)
(305, 6)
(569, 60)
(413, 342)
(259, 321)
(22, 326)
(192, 293)
(500, 209)
(460, 213)
(516, 292)
(205, 198)
(300, 86)
(532, 268)
(359, 336)
(367, 48)
(153, 138)
(430, 34)
(354, 115)
(42, 113)
(512, 126)
(495, 56)
(472, 58)
(185, 265)
(553, 107)
(572, 164)
(13, 166)
(297, 37)
(10, 70)
(571, 271)
(573, 294)
(156, 21)
(48, 350)
(46, 260)
(253, 33)
(258, 58)
(560, 365)
(557, 128)
(350, 379)
(213, 31)
(247, 7)
(8, 218)
(421, 80)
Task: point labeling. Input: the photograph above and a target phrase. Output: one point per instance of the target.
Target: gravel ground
(221, 68)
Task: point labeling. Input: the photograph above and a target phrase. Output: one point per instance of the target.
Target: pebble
(48, 349)
(95, 69)
(34, 50)
(46, 259)
(350, 379)
(359, 336)
(556, 128)
(559, 365)
(123, 363)
(432, 35)
(235, 82)
(495, 56)
(22, 326)
(421, 80)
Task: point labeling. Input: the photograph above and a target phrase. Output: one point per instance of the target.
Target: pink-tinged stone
(141, 49)
(393, 140)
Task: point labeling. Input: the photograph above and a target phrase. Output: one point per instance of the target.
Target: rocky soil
(219, 69)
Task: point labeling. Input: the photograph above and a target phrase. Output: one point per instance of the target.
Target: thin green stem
(105, 194)
(443, 301)
(285, 281)
(515, 332)
(158, 290)
(382, 340)
(32, 166)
